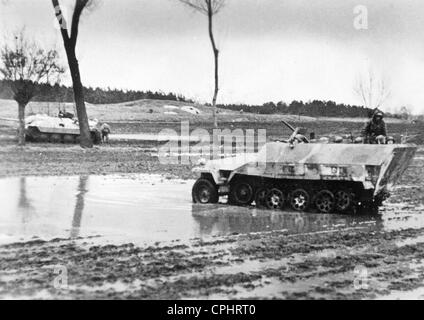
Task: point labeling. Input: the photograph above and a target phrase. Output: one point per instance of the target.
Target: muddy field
(135, 156)
(89, 234)
(276, 130)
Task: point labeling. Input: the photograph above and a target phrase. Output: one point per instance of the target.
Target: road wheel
(204, 191)
(260, 198)
(274, 199)
(299, 199)
(69, 138)
(343, 200)
(32, 134)
(43, 137)
(241, 194)
(325, 201)
(55, 138)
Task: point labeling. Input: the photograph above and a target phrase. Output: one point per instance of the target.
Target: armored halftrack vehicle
(324, 177)
(43, 128)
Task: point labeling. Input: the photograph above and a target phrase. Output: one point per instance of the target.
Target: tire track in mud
(248, 266)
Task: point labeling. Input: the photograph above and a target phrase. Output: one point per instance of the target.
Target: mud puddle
(149, 209)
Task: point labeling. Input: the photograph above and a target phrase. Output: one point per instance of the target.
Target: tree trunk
(21, 128)
(70, 42)
(215, 93)
(216, 54)
(85, 136)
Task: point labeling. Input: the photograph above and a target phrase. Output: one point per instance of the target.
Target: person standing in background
(105, 131)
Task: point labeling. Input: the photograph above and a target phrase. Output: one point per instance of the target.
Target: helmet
(338, 139)
(358, 140)
(378, 114)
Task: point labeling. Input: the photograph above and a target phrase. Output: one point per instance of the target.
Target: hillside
(145, 110)
(160, 110)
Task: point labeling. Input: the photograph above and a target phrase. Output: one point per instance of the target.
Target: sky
(270, 50)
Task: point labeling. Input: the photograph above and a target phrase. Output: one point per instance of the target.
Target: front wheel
(204, 191)
(241, 194)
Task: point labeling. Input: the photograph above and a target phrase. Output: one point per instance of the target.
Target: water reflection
(79, 206)
(25, 207)
(149, 208)
(224, 220)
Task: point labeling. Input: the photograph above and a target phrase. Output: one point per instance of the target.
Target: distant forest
(60, 93)
(315, 108)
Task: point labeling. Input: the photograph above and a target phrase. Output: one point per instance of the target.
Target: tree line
(313, 108)
(47, 92)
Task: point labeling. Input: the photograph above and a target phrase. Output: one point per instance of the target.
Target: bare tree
(70, 42)
(210, 8)
(25, 64)
(405, 113)
(372, 90)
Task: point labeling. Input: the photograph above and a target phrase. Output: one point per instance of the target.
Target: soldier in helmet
(105, 131)
(375, 129)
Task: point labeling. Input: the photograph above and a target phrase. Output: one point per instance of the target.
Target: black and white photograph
(211, 151)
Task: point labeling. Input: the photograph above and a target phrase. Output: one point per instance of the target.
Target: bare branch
(197, 5)
(372, 91)
(209, 8)
(205, 6)
(63, 25)
(217, 5)
(384, 93)
(79, 7)
(24, 63)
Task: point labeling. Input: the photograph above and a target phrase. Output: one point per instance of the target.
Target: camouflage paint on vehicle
(377, 167)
